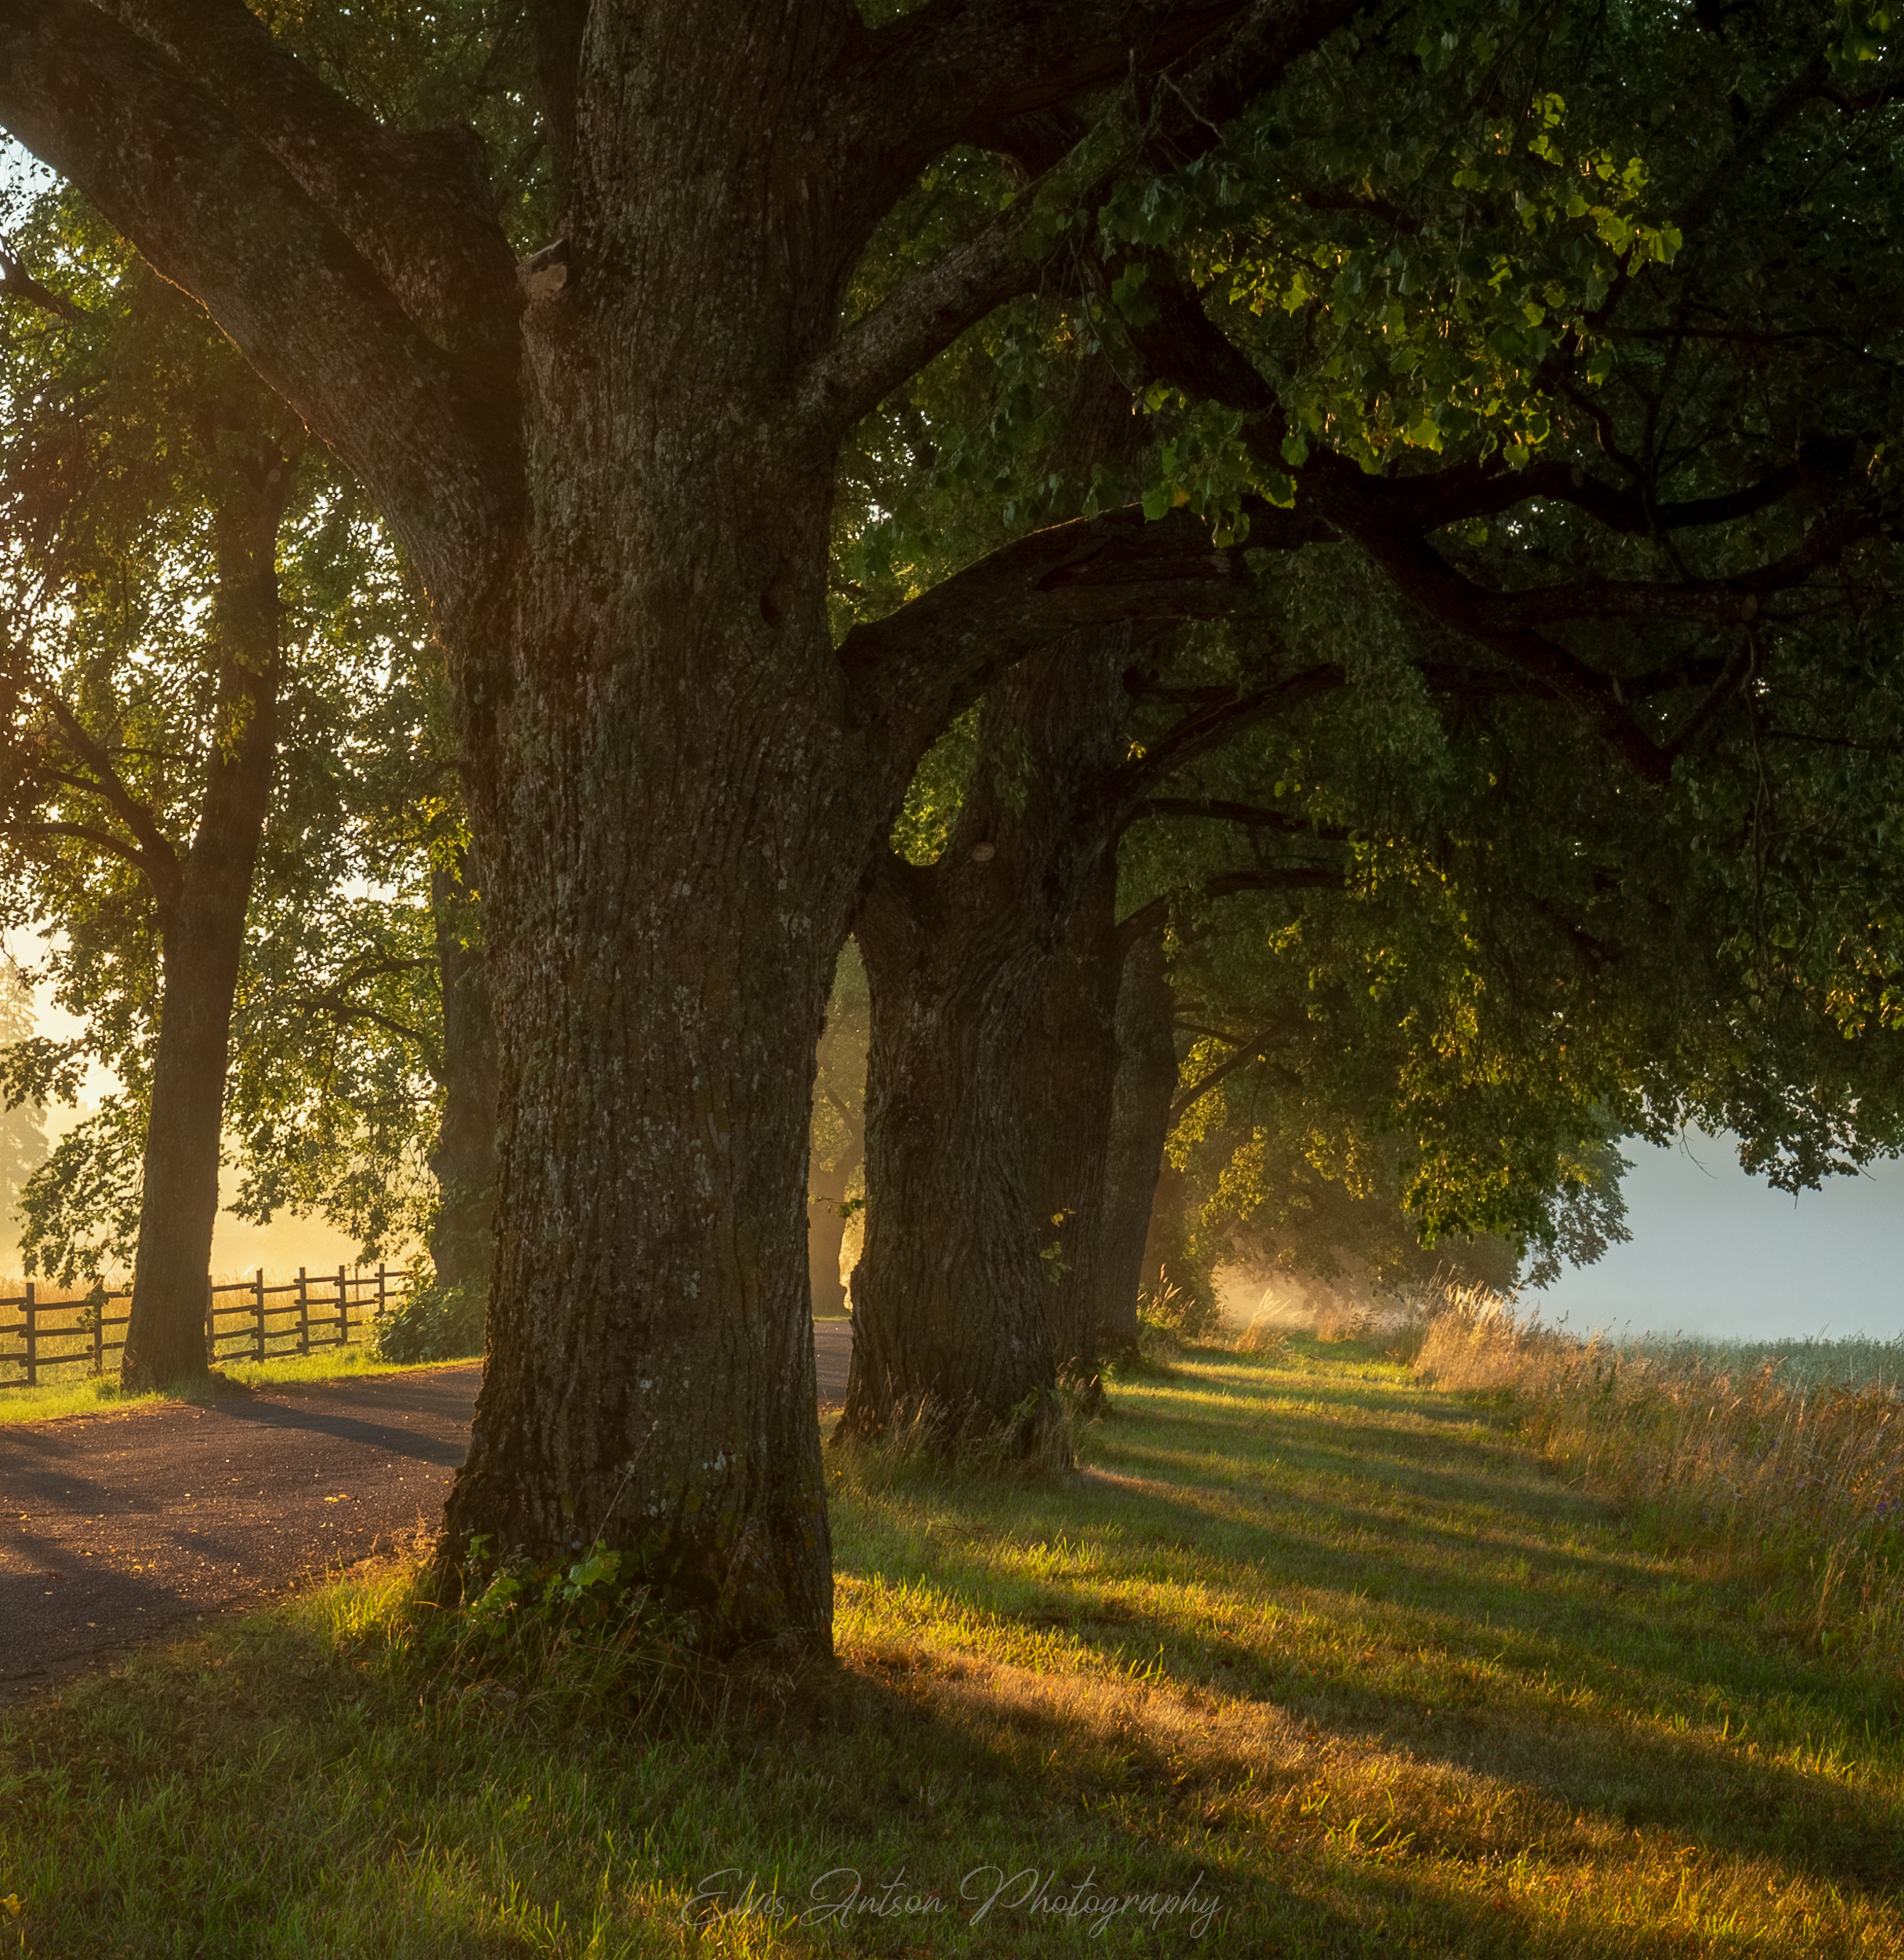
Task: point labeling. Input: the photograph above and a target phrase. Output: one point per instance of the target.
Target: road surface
(118, 1526)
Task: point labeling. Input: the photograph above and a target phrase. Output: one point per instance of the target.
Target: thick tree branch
(1210, 727)
(213, 212)
(1183, 345)
(999, 72)
(1246, 1052)
(1389, 517)
(954, 71)
(157, 857)
(17, 283)
(946, 644)
(342, 1009)
(1470, 490)
(116, 847)
(1420, 574)
(419, 207)
(558, 27)
(1156, 915)
(1251, 816)
(893, 341)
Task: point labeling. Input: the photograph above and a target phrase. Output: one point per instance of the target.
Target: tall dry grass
(1794, 1481)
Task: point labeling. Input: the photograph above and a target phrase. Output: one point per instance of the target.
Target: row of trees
(1311, 582)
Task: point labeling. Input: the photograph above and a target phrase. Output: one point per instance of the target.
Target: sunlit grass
(1311, 1641)
(88, 1395)
(1789, 1463)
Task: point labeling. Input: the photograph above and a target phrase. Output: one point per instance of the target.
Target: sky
(1717, 1253)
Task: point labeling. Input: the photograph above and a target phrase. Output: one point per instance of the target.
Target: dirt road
(117, 1527)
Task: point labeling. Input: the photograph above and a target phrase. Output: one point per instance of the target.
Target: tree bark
(202, 930)
(955, 1316)
(462, 1238)
(1066, 1077)
(1147, 1071)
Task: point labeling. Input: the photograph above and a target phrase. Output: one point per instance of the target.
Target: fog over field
(1717, 1253)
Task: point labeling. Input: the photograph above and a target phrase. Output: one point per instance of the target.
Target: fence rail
(244, 1320)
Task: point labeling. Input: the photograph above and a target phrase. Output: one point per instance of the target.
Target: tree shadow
(1517, 1638)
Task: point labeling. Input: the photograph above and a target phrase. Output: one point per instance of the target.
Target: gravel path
(117, 1527)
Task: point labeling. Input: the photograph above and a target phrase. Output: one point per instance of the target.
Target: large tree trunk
(462, 1240)
(951, 1324)
(201, 928)
(954, 1308)
(672, 807)
(1146, 1072)
(1065, 1080)
(660, 962)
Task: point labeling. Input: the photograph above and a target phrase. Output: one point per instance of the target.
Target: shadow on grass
(1521, 1642)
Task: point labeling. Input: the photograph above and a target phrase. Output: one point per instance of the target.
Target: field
(1311, 1658)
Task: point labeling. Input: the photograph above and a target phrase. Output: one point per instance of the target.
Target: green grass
(1327, 1653)
(88, 1395)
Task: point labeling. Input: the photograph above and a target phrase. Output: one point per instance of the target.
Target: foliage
(433, 1322)
(1180, 1312)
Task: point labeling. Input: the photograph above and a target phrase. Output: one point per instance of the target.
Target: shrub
(1179, 1313)
(432, 1323)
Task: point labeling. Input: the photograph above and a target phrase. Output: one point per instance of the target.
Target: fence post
(258, 1313)
(211, 1325)
(98, 1329)
(343, 1311)
(33, 1341)
(303, 1314)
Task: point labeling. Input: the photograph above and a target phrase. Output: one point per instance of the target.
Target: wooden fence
(244, 1320)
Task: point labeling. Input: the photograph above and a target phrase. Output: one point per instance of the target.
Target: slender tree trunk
(826, 1225)
(461, 1240)
(1147, 1071)
(202, 928)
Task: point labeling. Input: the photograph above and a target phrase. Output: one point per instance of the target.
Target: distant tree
(361, 1081)
(23, 1125)
(838, 1149)
(144, 478)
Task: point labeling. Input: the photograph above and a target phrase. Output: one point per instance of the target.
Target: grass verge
(1308, 1659)
(89, 1394)
(1773, 1463)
